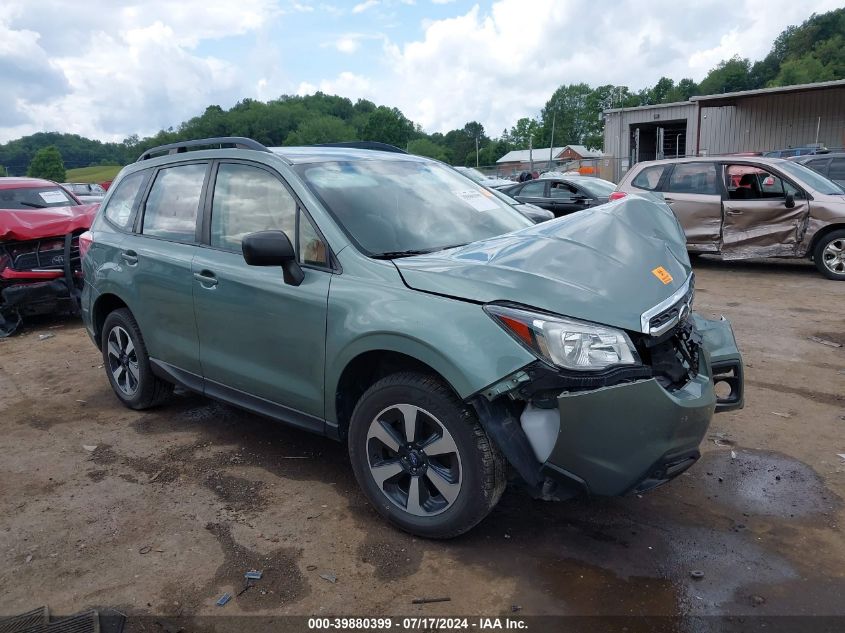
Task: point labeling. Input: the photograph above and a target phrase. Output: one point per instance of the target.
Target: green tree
(321, 129)
(730, 75)
(3, 171)
(388, 125)
(47, 163)
(574, 114)
(426, 147)
(524, 130)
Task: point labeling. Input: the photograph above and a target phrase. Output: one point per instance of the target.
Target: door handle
(733, 212)
(668, 199)
(130, 257)
(206, 278)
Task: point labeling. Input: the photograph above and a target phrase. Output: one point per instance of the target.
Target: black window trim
(204, 235)
(142, 209)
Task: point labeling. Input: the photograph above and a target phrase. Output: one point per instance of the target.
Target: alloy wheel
(123, 361)
(414, 460)
(833, 256)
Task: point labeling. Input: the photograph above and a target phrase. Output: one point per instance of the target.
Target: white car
(481, 179)
(86, 191)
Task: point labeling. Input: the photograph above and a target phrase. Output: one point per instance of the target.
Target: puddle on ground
(761, 483)
(635, 555)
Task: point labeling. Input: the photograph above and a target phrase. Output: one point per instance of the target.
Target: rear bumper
(633, 437)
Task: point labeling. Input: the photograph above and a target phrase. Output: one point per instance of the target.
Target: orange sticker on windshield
(662, 274)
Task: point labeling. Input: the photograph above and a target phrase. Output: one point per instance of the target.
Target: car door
(759, 219)
(159, 256)
(262, 341)
(534, 192)
(693, 192)
(566, 198)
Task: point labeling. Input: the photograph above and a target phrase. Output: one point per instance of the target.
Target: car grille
(674, 315)
(43, 254)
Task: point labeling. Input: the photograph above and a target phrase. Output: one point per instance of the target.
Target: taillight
(85, 241)
(617, 195)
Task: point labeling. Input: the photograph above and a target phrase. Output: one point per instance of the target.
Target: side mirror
(273, 248)
(789, 203)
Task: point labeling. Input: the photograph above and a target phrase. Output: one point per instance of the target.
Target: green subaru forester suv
(393, 304)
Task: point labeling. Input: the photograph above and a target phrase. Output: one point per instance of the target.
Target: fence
(607, 167)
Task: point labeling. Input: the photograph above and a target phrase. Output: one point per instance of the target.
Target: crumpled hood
(594, 265)
(32, 224)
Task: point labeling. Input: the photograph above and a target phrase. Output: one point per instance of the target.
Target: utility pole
(551, 149)
(476, 152)
(531, 153)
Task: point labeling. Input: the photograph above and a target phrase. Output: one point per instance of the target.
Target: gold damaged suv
(744, 207)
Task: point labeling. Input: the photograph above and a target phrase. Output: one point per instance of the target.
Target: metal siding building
(749, 121)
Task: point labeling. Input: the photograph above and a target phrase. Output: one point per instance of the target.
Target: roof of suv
(320, 154)
(715, 159)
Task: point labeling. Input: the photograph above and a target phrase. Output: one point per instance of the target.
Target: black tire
(149, 390)
(482, 467)
(819, 255)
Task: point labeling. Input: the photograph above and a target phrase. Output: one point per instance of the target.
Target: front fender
(455, 338)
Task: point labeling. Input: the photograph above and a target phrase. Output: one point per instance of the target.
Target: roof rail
(239, 142)
(373, 145)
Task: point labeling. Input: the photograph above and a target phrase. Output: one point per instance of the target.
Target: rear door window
(699, 178)
(171, 209)
(649, 178)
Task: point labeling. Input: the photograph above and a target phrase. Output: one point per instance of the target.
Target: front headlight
(567, 343)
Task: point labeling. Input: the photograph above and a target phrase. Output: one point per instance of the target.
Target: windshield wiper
(34, 205)
(409, 253)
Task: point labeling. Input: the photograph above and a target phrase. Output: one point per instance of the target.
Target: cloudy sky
(109, 68)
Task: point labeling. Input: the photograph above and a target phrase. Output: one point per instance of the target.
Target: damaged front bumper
(628, 437)
(49, 287)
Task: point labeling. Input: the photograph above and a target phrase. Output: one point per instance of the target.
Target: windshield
(816, 181)
(34, 198)
(597, 187)
(396, 207)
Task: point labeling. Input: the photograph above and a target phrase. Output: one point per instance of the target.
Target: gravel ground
(161, 512)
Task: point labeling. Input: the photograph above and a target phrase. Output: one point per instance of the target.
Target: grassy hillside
(98, 173)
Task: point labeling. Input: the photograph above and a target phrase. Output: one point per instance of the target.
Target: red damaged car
(40, 271)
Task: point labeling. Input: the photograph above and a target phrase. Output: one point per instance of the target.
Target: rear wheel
(422, 458)
(127, 363)
(829, 256)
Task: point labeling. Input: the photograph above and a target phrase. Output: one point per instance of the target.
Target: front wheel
(829, 255)
(422, 458)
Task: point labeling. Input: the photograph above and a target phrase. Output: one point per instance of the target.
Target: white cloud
(347, 44)
(136, 71)
(363, 6)
(110, 68)
(497, 65)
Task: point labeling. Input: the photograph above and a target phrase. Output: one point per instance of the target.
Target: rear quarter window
(119, 209)
(649, 178)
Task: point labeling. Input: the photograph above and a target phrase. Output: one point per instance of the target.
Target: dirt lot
(173, 506)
